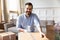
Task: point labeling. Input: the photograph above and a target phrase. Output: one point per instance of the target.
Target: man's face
(28, 9)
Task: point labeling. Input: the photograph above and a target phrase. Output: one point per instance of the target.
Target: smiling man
(27, 21)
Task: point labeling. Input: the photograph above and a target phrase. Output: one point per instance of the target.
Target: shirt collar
(25, 15)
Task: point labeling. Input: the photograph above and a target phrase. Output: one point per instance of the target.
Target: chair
(11, 26)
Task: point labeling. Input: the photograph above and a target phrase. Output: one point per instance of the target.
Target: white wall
(46, 9)
(44, 3)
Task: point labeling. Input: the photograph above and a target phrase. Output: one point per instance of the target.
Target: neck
(27, 15)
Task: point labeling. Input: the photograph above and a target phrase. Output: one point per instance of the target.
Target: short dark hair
(29, 3)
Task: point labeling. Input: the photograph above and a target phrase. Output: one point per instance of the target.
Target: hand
(21, 30)
(43, 35)
(25, 30)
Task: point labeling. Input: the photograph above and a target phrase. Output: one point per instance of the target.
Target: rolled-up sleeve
(36, 21)
(18, 23)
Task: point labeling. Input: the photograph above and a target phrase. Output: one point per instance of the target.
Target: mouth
(28, 12)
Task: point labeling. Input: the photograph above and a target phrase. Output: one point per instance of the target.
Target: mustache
(27, 11)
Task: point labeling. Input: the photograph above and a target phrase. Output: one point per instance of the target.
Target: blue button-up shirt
(28, 23)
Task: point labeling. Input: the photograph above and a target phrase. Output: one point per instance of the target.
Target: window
(13, 15)
(2, 11)
(13, 7)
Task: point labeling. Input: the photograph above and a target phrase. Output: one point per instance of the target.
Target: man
(27, 21)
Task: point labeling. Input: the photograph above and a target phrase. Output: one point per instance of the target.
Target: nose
(28, 10)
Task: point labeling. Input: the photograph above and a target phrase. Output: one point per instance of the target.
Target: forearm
(22, 30)
(39, 29)
(41, 33)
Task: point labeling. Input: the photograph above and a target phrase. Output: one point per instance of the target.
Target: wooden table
(30, 36)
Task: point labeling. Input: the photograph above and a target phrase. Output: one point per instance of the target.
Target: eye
(30, 9)
(27, 8)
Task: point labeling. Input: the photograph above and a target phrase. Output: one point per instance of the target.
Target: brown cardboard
(12, 35)
(50, 32)
(37, 36)
(7, 36)
(4, 36)
(30, 36)
(1, 30)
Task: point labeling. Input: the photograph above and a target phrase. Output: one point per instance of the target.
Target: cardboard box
(4, 36)
(50, 32)
(1, 30)
(30, 36)
(12, 35)
(7, 36)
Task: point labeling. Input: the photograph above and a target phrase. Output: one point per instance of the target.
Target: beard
(28, 13)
